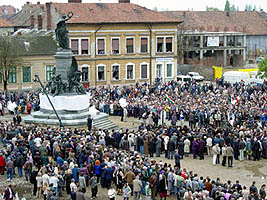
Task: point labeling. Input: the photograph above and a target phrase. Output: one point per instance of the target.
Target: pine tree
(227, 6)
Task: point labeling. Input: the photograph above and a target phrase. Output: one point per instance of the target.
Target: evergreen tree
(227, 6)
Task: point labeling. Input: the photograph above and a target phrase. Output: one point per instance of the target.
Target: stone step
(43, 115)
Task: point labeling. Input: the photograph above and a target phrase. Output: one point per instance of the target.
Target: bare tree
(180, 41)
(10, 56)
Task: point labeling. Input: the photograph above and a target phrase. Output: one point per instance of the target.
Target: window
(12, 75)
(144, 45)
(75, 46)
(26, 72)
(84, 46)
(49, 72)
(169, 70)
(115, 45)
(158, 70)
(101, 46)
(130, 71)
(144, 71)
(85, 74)
(115, 72)
(168, 44)
(129, 45)
(160, 44)
(101, 73)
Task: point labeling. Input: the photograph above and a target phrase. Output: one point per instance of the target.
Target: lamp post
(37, 79)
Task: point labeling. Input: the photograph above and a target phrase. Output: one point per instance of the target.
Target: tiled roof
(22, 18)
(4, 23)
(105, 13)
(250, 22)
(7, 10)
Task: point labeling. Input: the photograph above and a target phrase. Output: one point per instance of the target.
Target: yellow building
(121, 43)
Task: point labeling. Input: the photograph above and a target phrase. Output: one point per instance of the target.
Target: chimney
(40, 22)
(32, 22)
(124, 1)
(48, 16)
(75, 1)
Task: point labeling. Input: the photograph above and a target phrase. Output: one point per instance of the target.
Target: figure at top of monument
(61, 31)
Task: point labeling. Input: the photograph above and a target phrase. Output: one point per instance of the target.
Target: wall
(255, 42)
(206, 71)
(123, 31)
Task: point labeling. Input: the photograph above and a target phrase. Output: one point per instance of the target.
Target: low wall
(206, 71)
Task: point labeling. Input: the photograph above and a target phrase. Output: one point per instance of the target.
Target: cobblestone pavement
(245, 172)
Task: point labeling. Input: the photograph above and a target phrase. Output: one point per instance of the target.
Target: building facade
(118, 43)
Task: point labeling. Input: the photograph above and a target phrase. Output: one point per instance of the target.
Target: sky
(160, 4)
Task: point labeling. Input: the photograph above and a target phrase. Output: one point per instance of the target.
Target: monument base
(73, 110)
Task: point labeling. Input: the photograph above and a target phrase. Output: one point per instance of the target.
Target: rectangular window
(158, 70)
(115, 45)
(168, 44)
(169, 70)
(144, 45)
(144, 71)
(49, 72)
(129, 45)
(160, 44)
(115, 72)
(101, 46)
(26, 71)
(85, 74)
(84, 46)
(130, 72)
(12, 75)
(75, 46)
(101, 73)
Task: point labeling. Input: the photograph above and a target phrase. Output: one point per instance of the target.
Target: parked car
(196, 76)
(256, 78)
(259, 59)
(184, 78)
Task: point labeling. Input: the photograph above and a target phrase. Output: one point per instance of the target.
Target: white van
(255, 78)
(236, 77)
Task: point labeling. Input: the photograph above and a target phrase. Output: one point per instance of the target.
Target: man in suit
(89, 122)
(9, 193)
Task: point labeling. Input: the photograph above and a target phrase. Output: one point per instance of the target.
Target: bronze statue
(61, 31)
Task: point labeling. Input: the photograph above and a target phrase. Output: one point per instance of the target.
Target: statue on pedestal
(61, 31)
(72, 84)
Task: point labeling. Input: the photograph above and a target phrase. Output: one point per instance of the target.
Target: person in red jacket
(2, 164)
(29, 108)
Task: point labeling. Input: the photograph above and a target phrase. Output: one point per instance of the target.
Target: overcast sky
(161, 4)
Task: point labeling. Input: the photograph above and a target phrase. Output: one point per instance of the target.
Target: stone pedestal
(63, 64)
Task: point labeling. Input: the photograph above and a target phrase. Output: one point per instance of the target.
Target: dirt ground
(245, 172)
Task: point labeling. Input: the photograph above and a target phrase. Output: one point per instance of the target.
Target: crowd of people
(227, 122)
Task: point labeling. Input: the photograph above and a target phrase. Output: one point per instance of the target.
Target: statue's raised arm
(61, 31)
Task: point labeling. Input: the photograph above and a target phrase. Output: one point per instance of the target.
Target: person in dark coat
(162, 187)
(151, 147)
(236, 148)
(256, 149)
(171, 148)
(9, 193)
(195, 148)
(33, 180)
(19, 164)
(108, 174)
(89, 122)
(181, 148)
(177, 160)
(201, 147)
